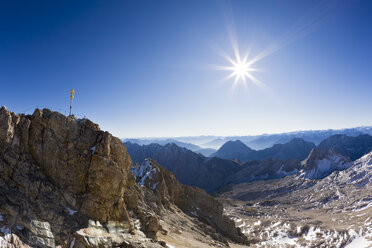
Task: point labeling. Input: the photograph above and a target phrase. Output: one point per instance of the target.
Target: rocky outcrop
(321, 163)
(191, 200)
(66, 183)
(56, 174)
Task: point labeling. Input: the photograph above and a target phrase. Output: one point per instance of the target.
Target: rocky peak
(191, 200)
(72, 154)
(233, 149)
(66, 183)
(321, 163)
(297, 141)
(54, 167)
(237, 145)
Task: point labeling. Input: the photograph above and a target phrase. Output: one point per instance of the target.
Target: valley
(335, 211)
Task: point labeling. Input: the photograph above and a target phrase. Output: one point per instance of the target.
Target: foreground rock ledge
(66, 183)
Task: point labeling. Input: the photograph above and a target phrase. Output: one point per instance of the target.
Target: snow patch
(257, 223)
(70, 211)
(5, 230)
(326, 166)
(72, 243)
(145, 172)
(359, 240)
(154, 185)
(19, 227)
(5, 240)
(93, 149)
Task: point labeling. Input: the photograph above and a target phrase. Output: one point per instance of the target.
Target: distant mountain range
(295, 149)
(189, 167)
(351, 147)
(195, 148)
(210, 173)
(267, 140)
(256, 142)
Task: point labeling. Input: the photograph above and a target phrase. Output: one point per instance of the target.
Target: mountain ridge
(188, 167)
(297, 148)
(263, 141)
(352, 147)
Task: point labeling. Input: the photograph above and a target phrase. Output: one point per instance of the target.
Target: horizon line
(247, 135)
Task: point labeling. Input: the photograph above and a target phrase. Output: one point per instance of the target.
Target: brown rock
(191, 200)
(59, 171)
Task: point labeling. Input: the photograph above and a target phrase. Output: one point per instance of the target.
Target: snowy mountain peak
(321, 163)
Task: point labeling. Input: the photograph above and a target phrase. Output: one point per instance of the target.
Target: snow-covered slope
(335, 211)
(321, 163)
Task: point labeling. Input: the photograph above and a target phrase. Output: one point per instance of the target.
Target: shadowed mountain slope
(295, 149)
(188, 167)
(352, 147)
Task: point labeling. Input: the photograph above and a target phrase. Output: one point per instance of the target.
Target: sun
(240, 69)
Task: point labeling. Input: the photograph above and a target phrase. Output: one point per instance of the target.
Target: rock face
(66, 183)
(295, 149)
(321, 163)
(267, 169)
(191, 200)
(55, 168)
(74, 155)
(351, 147)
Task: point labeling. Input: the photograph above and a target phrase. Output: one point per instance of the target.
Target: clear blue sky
(143, 68)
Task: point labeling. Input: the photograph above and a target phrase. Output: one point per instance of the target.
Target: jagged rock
(55, 168)
(66, 183)
(191, 200)
(321, 163)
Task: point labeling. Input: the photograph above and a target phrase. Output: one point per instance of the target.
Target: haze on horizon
(145, 68)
